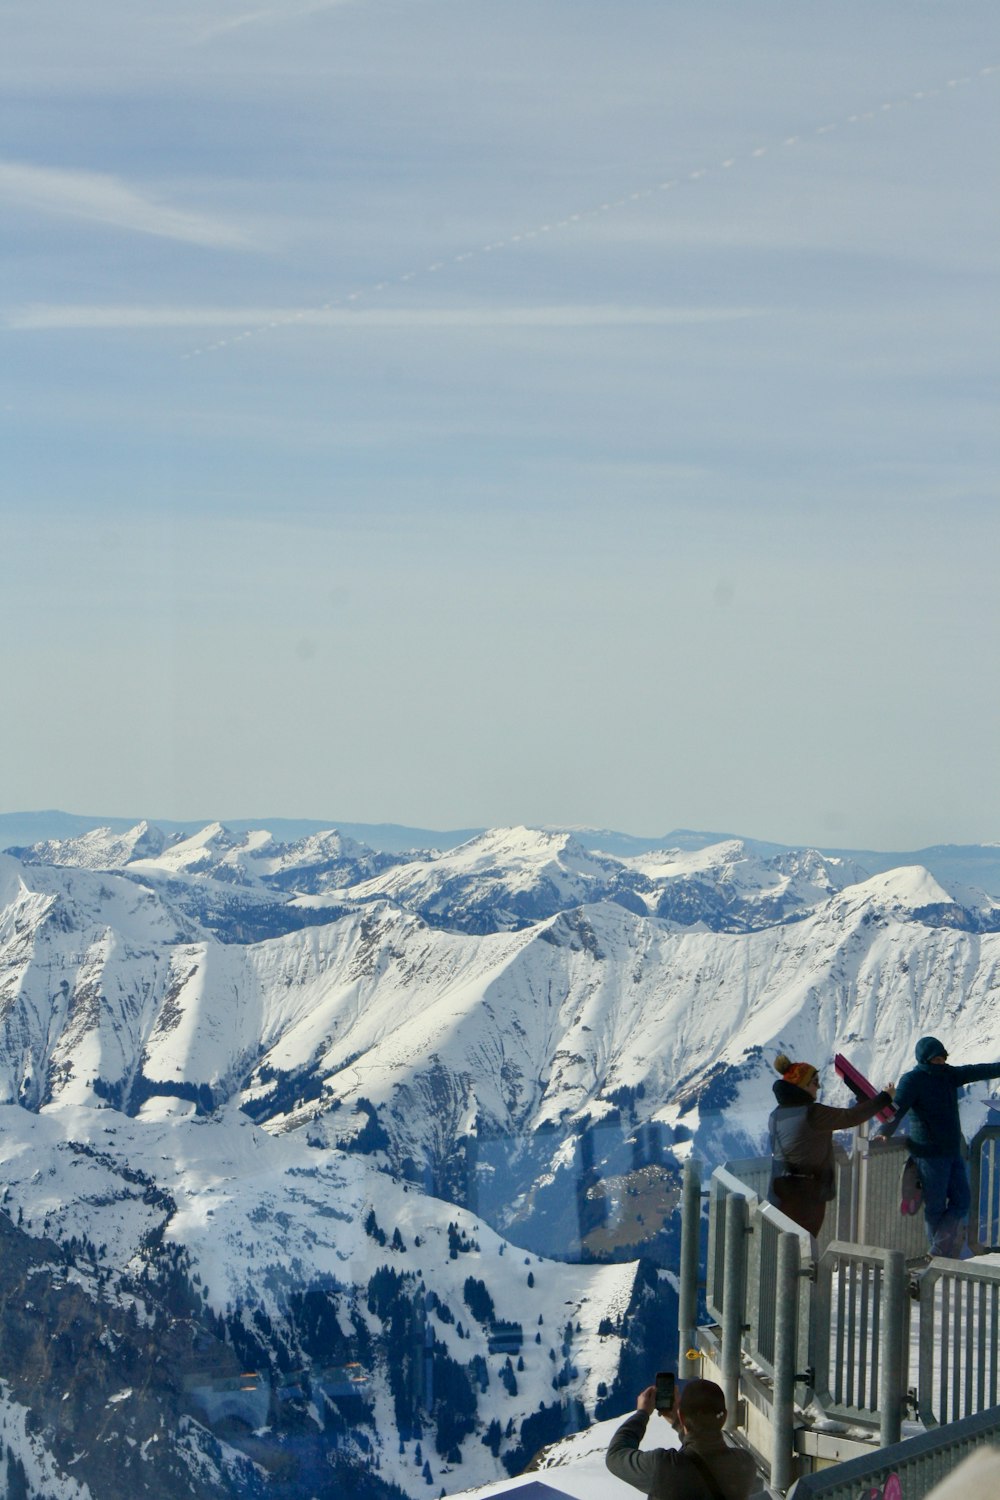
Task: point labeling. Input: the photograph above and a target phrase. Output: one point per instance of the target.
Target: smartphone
(665, 1390)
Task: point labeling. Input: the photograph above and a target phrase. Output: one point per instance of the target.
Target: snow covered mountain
(307, 1273)
(251, 859)
(398, 1145)
(99, 848)
(503, 879)
(510, 877)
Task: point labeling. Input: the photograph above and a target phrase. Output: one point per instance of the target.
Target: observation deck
(851, 1358)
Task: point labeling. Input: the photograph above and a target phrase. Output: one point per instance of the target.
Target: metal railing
(984, 1174)
(959, 1350)
(919, 1463)
(853, 1315)
(757, 1294)
(860, 1326)
(768, 1293)
(723, 1185)
(844, 1324)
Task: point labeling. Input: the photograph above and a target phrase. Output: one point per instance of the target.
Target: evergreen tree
(478, 1300)
(493, 1437)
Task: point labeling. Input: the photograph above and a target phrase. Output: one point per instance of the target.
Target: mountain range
(394, 1137)
(967, 864)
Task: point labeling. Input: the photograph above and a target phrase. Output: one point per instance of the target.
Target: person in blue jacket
(928, 1094)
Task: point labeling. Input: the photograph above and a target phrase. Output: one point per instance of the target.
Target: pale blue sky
(556, 494)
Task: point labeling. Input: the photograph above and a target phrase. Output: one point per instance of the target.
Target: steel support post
(894, 1307)
(786, 1338)
(733, 1296)
(859, 1186)
(687, 1312)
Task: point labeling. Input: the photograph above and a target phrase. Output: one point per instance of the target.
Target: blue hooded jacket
(929, 1095)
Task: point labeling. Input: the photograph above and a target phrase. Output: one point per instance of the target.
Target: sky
(478, 412)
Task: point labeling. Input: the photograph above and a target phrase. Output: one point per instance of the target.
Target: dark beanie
(701, 1401)
(928, 1048)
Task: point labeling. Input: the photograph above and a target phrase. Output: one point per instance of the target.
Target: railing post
(687, 1312)
(733, 1299)
(893, 1330)
(785, 1355)
(858, 1226)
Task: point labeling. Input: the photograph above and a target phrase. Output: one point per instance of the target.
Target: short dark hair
(703, 1404)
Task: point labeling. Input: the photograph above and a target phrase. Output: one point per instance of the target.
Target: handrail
(758, 1258)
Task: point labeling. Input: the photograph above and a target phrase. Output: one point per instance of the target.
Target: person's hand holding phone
(665, 1393)
(660, 1397)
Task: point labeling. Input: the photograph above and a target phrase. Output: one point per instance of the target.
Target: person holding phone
(705, 1465)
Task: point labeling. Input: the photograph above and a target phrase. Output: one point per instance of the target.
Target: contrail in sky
(569, 221)
(269, 16)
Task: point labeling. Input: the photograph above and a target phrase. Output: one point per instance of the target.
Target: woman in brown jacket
(801, 1135)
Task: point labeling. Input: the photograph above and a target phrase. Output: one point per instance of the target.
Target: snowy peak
(728, 886)
(732, 863)
(503, 879)
(528, 849)
(101, 849)
(911, 893)
(252, 862)
(212, 851)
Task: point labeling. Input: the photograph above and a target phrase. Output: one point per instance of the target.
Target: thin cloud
(44, 316)
(269, 16)
(105, 199)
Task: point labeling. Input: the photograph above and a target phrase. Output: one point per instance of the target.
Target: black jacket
(669, 1474)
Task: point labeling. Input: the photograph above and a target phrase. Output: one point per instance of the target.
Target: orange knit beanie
(799, 1073)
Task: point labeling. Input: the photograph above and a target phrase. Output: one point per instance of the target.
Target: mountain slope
(384, 1034)
(321, 1151)
(271, 1235)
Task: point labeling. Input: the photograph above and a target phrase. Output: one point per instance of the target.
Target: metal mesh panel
(879, 1219)
(849, 1332)
(723, 1182)
(714, 1277)
(765, 1285)
(753, 1173)
(959, 1340)
(767, 1225)
(985, 1172)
